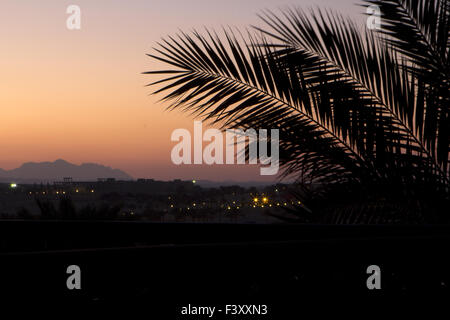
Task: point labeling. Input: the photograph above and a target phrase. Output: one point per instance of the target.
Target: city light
(241, 203)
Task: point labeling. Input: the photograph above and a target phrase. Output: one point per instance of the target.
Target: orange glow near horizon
(80, 95)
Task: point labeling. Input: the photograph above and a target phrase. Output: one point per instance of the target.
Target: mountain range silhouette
(57, 170)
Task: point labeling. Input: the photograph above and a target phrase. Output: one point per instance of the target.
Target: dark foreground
(167, 266)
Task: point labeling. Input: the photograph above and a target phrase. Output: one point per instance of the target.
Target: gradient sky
(80, 95)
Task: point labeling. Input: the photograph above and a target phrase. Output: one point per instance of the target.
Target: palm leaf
(244, 86)
(373, 70)
(351, 106)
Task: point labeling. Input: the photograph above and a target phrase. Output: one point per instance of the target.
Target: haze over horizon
(48, 171)
(80, 96)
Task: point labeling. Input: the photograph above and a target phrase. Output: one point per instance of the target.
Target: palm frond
(351, 106)
(358, 111)
(245, 86)
(374, 71)
(419, 29)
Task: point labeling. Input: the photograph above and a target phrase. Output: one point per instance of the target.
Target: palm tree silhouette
(362, 113)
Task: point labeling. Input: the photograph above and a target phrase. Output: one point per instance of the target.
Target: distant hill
(57, 170)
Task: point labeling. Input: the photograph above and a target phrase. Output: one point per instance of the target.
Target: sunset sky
(79, 95)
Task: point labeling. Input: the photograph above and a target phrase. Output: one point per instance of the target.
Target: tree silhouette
(67, 210)
(361, 111)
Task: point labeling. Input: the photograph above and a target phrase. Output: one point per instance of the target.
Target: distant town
(144, 200)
